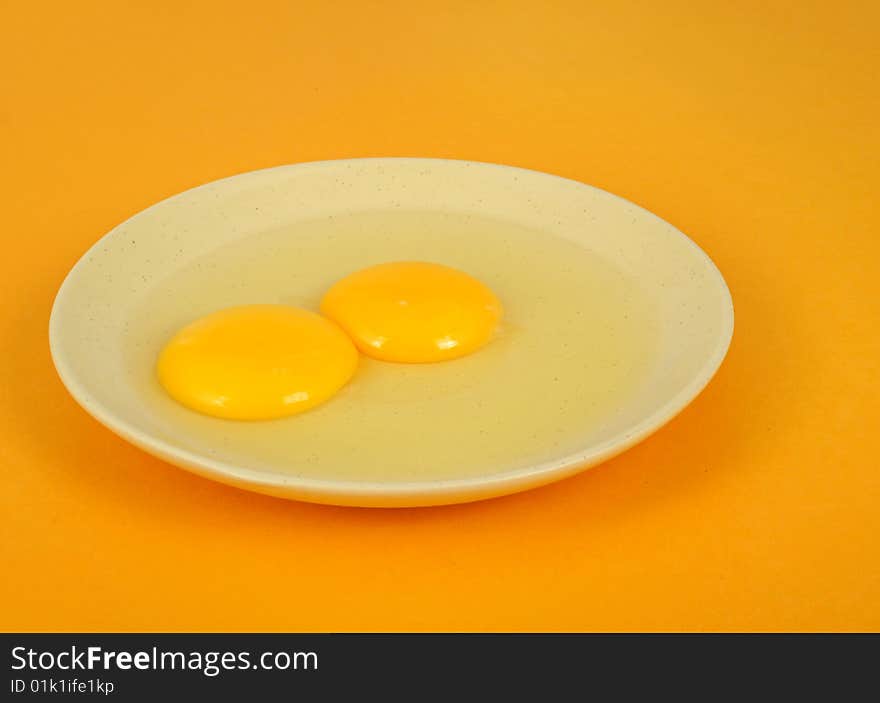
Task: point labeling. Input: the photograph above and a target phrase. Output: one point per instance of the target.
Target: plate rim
(391, 493)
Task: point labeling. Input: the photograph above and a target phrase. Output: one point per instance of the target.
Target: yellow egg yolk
(414, 311)
(256, 362)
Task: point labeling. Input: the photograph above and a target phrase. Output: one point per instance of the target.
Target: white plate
(693, 305)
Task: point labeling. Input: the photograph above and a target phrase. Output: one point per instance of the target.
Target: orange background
(753, 126)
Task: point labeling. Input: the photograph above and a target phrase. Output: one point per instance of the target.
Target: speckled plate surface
(95, 303)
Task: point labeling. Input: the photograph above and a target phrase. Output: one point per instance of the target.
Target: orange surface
(750, 125)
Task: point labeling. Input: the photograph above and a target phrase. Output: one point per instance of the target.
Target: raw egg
(256, 362)
(414, 312)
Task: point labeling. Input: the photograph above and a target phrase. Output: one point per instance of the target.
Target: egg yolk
(256, 362)
(413, 311)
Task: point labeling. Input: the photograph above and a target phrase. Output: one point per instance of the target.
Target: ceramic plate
(98, 304)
